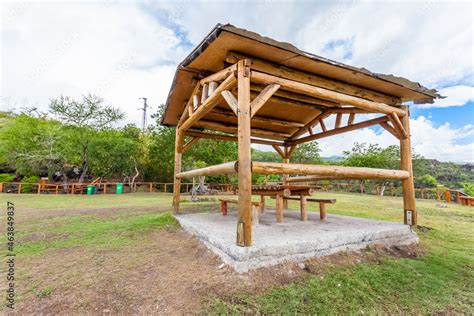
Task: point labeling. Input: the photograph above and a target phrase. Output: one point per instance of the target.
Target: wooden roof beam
(210, 102)
(339, 130)
(312, 79)
(299, 98)
(311, 90)
(230, 138)
(232, 129)
(258, 119)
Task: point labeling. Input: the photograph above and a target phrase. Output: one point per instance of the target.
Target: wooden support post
(322, 211)
(164, 187)
(244, 222)
(151, 186)
(262, 201)
(177, 169)
(105, 188)
(57, 189)
(224, 208)
(19, 188)
(285, 178)
(39, 188)
(303, 207)
(408, 189)
(279, 208)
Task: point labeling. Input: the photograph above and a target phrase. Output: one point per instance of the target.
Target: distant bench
(256, 207)
(467, 200)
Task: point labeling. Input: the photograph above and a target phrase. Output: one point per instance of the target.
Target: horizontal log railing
(349, 172)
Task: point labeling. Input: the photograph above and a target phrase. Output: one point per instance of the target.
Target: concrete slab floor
(293, 240)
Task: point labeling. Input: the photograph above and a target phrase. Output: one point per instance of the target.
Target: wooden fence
(167, 187)
(102, 188)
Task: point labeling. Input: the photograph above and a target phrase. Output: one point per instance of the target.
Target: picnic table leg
(262, 200)
(256, 214)
(224, 208)
(322, 211)
(303, 208)
(279, 208)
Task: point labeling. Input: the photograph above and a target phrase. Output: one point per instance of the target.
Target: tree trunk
(85, 168)
(136, 173)
(362, 186)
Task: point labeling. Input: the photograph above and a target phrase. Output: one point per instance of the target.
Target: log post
(262, 201)
(285, 180)
(408, 189)
(177, 169)
(322, 211)
(244, 222)
(279, 208)
(303, 207)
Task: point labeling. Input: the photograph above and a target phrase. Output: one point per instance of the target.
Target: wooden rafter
(232, 129)
(389, 128)
(312, 79)
(258, 119)
(337, 124)
(310, 125)
(398, 126)
(189, 144)
(322, 124)
(262, 98)
(351, 118)
(300, 99)
(231, 100)
(210, 102)
(340, 130)
(231, 138)
(279, 150)
(262, 78)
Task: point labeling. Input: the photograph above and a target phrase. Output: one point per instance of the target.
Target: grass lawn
(126, 253)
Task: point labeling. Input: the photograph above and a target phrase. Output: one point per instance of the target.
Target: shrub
(469, 188)
(6, 177)
(27, 183)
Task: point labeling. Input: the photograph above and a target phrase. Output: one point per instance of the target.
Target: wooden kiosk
(239, 86)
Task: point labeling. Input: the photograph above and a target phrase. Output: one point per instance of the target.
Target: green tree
(82, 120)
(32, 146)
(372, 156)
(426, 181)
(307, 153)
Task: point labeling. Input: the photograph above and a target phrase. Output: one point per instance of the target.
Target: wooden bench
(256, 207)
(467, 200)
(303, 205)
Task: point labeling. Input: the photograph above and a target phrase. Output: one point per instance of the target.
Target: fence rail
(104, 187)
(109, 188)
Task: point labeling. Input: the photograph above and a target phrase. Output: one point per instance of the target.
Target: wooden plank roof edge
(431, 94)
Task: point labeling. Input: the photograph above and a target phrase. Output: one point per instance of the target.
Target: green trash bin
(119, 188)
(90, 189)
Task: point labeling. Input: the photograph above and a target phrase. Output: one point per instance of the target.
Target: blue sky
(126, 50)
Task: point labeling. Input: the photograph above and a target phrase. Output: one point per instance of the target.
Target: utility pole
(145, 106)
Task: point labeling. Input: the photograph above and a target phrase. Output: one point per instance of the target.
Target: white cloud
(116, 51)
(455, 96)
(430, 42)
(440, 142)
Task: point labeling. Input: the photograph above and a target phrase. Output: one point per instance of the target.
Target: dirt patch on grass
(167, 271)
